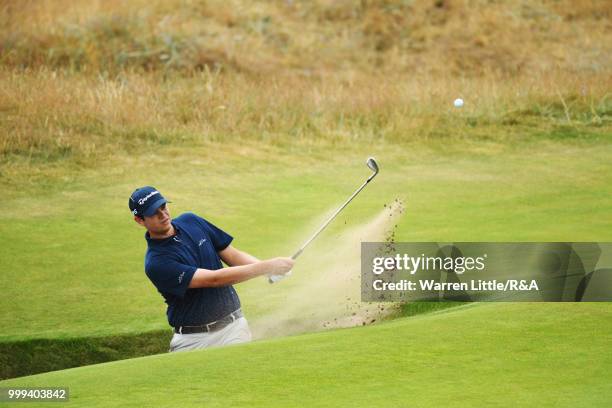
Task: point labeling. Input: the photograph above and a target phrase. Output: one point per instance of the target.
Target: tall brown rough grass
(82, 79)
(51, 115)
(469, 37)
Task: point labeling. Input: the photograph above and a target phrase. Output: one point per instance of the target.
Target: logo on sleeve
(203, 240)
(180, 278)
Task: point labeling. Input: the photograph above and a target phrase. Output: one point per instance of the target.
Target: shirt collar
(163, 241)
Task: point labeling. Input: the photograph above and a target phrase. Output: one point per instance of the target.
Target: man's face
(158, 223)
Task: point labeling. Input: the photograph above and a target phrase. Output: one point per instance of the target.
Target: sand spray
(328, 294)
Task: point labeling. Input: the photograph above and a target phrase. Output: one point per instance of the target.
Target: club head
(373, 166)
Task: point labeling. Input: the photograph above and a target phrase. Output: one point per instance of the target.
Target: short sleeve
(170, 276)
(220, 239)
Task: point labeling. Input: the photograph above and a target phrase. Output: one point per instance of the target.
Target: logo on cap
(145, 201)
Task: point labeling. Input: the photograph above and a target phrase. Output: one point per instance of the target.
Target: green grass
(33, 356)
(71, 268)
(546, 355)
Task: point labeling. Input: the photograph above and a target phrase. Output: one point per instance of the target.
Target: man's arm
(206, 278)
(234, 257)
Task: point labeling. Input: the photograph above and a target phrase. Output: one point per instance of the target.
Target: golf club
(371, 163)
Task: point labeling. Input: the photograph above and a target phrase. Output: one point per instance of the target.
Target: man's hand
(284, 272)
(279, 266)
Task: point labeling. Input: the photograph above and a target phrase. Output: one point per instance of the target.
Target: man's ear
(139, 220)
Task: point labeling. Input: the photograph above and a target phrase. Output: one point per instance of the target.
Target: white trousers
(234, 333)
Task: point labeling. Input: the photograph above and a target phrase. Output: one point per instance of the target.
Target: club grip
(276, 278)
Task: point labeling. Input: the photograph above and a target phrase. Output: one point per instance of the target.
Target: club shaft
(330, 219)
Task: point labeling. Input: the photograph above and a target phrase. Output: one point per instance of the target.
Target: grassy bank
(29, 357)
(450, 357)
(23, 358)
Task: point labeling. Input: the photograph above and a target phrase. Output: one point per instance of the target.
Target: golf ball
(458, 103)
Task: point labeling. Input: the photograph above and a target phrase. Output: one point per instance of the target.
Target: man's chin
(163, 231)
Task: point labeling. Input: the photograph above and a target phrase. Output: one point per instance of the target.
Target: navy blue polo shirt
(171, 262)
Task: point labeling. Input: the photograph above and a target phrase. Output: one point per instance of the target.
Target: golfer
(183, 260)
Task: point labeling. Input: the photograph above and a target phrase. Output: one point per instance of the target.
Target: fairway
(90, 262)
(545, 355)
